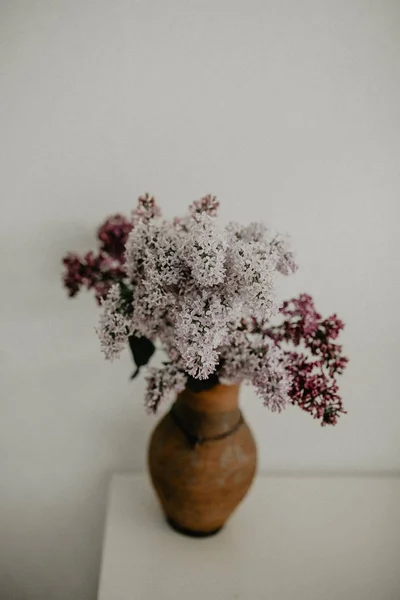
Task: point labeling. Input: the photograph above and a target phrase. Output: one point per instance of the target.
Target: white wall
(290, 113)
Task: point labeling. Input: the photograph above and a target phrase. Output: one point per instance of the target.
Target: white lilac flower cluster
(115, 324)
(252, 356)
(194, 284)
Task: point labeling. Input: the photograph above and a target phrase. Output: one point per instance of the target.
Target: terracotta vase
(202, 460)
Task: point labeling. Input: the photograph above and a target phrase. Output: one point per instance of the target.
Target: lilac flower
(92, 271)
(199, 275)
(207, 294)
(316, 360)
(285, 262)
(207, 205)
(115, 326)
(162, 384)
(113, 234)
(254, 357)
(197, 279)
(272, 379)
(204, 251)
(201, 328)
(146, 210)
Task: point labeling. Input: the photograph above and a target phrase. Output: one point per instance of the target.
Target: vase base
(190, 532)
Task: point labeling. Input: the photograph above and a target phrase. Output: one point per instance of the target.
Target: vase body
(202, 459)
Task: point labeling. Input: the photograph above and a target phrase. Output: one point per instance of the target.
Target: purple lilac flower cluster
(316, 360)
(99, 271)
(206, 294)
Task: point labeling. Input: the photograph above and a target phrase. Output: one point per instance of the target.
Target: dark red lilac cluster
(99, 271)
(113, 235)
(314, 368)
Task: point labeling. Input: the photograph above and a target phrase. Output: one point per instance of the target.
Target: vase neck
(218, 399)
(210, 412)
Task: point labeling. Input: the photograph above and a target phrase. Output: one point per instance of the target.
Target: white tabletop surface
(293, 538)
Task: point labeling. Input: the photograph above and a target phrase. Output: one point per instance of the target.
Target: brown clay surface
(199, 487)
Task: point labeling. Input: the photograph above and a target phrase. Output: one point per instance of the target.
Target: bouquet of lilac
(207, 295)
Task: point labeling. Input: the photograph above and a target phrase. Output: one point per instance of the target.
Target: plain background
(290, 113)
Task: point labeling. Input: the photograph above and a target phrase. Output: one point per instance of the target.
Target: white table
(293, 538)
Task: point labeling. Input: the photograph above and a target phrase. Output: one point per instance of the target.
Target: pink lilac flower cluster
(206, 294)
(316, 360)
